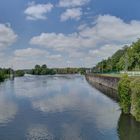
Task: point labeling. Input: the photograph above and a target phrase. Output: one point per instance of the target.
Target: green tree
(135, 107)
(124, 91)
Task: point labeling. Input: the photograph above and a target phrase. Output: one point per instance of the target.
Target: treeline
(44, 70)
(19, 73)
(127, 58)
(5, 73)
(70, 70)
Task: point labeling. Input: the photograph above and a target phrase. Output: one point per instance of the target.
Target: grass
(119, 75)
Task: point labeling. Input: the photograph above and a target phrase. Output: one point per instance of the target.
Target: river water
(62, 107)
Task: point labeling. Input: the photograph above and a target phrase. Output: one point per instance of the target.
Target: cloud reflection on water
(65, 94)
(8, 109)
(38, 132)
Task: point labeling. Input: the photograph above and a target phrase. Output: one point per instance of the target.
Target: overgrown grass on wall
(125, 94)
(135, 101)
(129, 95)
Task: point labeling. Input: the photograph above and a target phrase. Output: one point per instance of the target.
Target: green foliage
(125, 94)
(112, 64)
(19, 73)
(127, 58)
(42, 70)
(66, 70)
(2, 77)
(135, 109)
(4, 73)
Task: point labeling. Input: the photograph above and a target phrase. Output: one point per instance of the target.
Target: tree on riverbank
(42, 70)
(124, 91)
(127, 58)
(4, 73)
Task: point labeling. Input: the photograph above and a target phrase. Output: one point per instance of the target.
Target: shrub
(125, 94)
(19, 73)
(135, 107)
(2, 77)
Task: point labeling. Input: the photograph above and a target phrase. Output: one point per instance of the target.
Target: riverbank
(108, 81)
(127, 90)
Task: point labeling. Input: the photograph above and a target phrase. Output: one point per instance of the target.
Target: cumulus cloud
(106, 35)
(31, 57)
(59, 42)
(29, 52)
(106, 30)
(7, 36)
(74, 13)
(37, 11)
(86, 47)
(72, 3)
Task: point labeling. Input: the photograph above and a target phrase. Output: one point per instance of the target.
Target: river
(62, 107)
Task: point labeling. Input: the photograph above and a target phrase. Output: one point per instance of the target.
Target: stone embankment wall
(110, 82)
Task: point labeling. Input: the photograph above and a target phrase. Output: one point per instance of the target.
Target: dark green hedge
(135, 95)
(125, 94)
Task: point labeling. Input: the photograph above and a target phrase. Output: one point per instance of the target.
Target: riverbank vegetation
(124, 92)
(135, 101)
(127, 58)
(129, 95)
(44, 70)
(19, 73)
(4, 73)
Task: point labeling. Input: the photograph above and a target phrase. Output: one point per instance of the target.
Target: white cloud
(7, 36)
(37, 11)
(29, 52)
(30, 57)
(107, 30)
(55, 57)
(85, 47)
(72, 3)
(59, 42)
(74, 13)
(103, 52)
(106, 35)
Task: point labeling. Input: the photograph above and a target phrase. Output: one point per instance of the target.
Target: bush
(2, 77)
(19, 73)
(125, 94)
(135, 107)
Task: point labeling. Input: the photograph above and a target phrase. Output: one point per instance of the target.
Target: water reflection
(38, 132)
(7, 111)
(105, 90)
(128, 128)
(58, 108)
(71, 95)
(8, 108)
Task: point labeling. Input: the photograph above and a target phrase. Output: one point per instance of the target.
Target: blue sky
(64, 33)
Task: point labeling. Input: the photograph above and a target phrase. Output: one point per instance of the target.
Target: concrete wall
(110, 82)
(107, 85)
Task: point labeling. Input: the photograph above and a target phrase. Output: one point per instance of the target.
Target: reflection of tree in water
(105, 90)
(128, 128)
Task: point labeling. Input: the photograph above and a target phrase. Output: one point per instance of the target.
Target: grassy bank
(129, 95)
